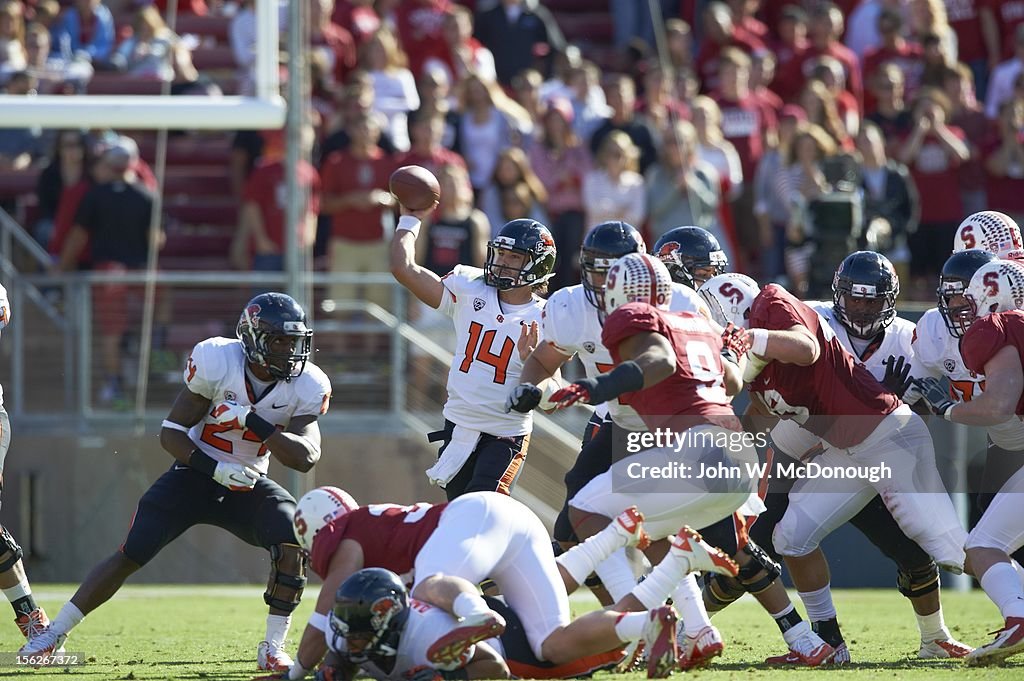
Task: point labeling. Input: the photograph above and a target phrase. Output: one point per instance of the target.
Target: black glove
(935, 395)
(897, 375)
(524, 398)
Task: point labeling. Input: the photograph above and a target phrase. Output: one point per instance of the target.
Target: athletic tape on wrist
(318, 621)
(410, 223)
(759, 342)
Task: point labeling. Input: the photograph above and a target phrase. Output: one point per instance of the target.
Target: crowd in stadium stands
(794, 131)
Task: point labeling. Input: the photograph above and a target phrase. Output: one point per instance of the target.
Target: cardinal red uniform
(1002, 526)
(868, 429)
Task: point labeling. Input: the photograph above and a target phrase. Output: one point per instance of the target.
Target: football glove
(735, 339)
(524, 398)
(235, 476)
(572, 393)
(897, 375)
(935, 395)
(230, 413)
(626, 377)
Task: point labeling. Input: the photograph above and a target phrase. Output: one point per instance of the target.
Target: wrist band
(759, 342)
(948, 414)
(409, 223)
(202, 462)
(259, 425)
(171, 425)
(318, 621)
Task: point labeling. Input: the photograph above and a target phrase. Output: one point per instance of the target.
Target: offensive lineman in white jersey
(862, 314)
(496, 313)
(243, 400)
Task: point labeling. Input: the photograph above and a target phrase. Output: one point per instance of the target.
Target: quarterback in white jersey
(243, 401)
(30, 618)
(496, 313)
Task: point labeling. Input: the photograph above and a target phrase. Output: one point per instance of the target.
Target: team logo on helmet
(478, 304)
(544, 242)
(589, 347)
(731, 293)
(668, 249)
(252, 314)
(382, 610)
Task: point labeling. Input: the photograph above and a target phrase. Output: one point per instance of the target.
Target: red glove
(736, 338)
(570, 395)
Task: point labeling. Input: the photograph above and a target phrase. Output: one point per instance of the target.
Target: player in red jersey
(445, 550)
(797, 369)
(994, 346)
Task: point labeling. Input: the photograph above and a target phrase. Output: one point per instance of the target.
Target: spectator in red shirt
(261, 221)
(743, 12)
(419, 25)
(459, 53)
(825, 29)
(831, 74)
(355, 194)
(977, 37)
(789, 52)
(720, 32)
(966, 114)
(426, 130)
(934, 152)
(337, 44)
(358, 17)
(1005, 161)
(893, 48)
(1010, 15)
(822, 111)
(762, 73)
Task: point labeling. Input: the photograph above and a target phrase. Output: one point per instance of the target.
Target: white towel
(462, 444)
(753, 506)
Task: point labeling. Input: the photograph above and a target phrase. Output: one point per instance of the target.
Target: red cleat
(450, 651)
(660, 642)
(698, 651)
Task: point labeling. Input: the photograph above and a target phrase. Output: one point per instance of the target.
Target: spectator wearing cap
(561, 161)
(114, 219)
(789, 52)
(85, 31)
(770, 209)
(893, 47)
(977, 37)
(394, 87)
(891, 203)
(1004, 161)
(1001, 84)
(720, 32)
(934, 152)
(426, 131)
(825, 29)
(262, 217)
(966, 114)
(620, 93)
(512, 30)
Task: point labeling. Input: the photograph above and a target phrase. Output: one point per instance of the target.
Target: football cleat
(698, 651)
(450, 651)
(943, 649)
(273, 658)
(841, 656)
(1009, 641)
(44, 643)
(702, 557)
(809, 650)
(633, 658)
(660, 642)
(32, 624)
(630, 525)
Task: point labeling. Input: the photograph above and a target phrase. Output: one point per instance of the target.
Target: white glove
(230, 412)
(236, 477)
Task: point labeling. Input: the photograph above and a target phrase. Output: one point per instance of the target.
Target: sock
(829, 631)
(1002, 585)
(468, 605)
(787, 618)
(20, 596)
(796, 632)
(582, 559)
(662, 581)
(277, 629)
(630, 625)
(819, 604)
(616, 574)
(67, 619)
(932, 626)
(689, 601)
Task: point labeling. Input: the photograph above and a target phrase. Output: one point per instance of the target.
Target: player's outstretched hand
(570, 395)
(524, 398)
(897, 375)
(935, 395)
(529, 337)
(235, 476)
(230, 413)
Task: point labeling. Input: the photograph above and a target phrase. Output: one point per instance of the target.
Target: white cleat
(702, 557)
(273, 659)
(1009, 641)
(43, 644)
(942, 649)
(630, 526)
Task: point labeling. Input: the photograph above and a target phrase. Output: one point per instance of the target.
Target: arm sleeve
(204, 369)
(982, 341)
(628, 320)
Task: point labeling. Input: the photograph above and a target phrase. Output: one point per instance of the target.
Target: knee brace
(760, 572)
(918, 581)
(12, 552)
(287, 577)
(720, 591)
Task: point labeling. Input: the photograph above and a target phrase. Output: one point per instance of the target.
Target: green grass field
(211, 632)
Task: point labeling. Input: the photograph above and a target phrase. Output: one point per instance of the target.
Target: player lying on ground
(244, 399)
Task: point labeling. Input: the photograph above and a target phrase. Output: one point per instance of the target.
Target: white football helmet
(996, 287)
(637, 278)
(318, 507)
(991, 231)
(729, 297)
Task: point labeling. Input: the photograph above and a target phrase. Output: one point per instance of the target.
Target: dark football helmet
(864, 292)
(603, 245)
(691, 254)
(275, 335)
(953, 282)
(371, 608)
(534, 241)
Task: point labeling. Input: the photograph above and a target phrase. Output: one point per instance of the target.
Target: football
(414, 187)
